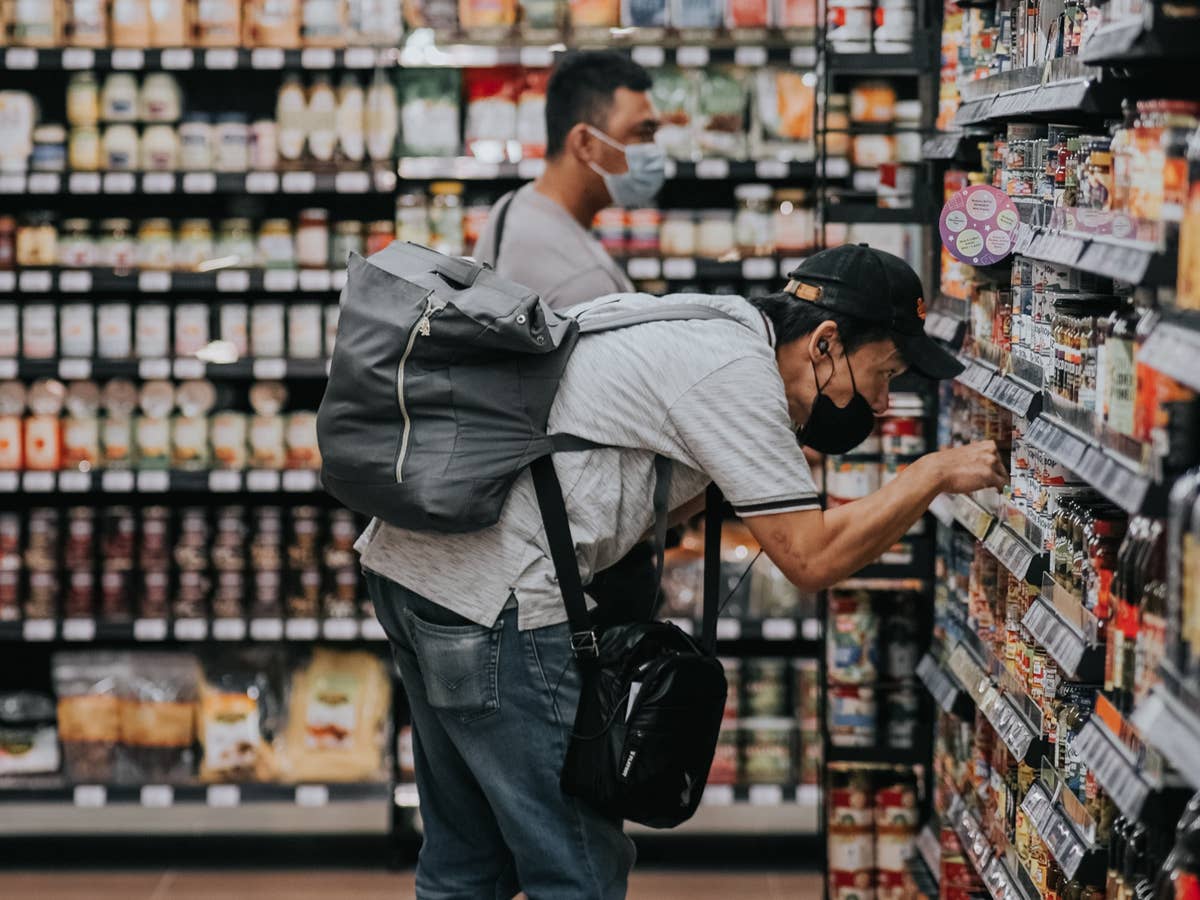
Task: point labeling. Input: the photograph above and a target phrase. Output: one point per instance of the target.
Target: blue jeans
(492, 712)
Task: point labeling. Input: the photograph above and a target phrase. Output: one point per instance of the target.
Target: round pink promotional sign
(979, 225)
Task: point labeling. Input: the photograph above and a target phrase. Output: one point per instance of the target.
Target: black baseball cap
(875, 286)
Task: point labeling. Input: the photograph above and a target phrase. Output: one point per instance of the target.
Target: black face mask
(837, 429)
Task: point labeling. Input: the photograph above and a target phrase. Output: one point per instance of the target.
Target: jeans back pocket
(458, 666)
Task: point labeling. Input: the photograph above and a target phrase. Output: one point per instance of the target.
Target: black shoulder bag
(652, 698)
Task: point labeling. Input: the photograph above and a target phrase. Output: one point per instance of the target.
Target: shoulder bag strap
(501, 218)
(662, 511)
(714, 502)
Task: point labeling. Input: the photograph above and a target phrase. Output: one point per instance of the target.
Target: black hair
(581, 89)
(794, 319)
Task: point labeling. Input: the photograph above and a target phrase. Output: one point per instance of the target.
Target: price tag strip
(1114, 766)
(1054, 440)
(1173, 350)
(1062, 640)
(1172, 729)
(1014, 554)
(940, 686)
(1120, 261)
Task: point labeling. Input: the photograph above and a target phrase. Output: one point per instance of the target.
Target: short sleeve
(733, 425)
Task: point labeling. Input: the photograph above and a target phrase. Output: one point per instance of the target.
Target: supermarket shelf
(358, 181)
(466, 168)
(947, 693)
(169, 285)
(1071, 89)
(1169, 720)
(1074, 850)
(683, 268)
(1106, 255)
(994, 870)
(1017, 396)
(963, 510)
(1114, 764)
(1173, 346)
(943, 147)
(73, 368)
(184, 59)
(1140, 39)
(159, 482)
(150, 631)
(929, 849)
(945, 328)
(918, 62)
(1015, 717)
(860, 213)
(1013, 551)
(1068, 632)
(922, 877)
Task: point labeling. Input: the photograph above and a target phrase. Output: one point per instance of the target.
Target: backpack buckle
(583, 644)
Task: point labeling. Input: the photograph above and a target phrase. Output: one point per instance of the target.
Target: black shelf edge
(379, 181)
(1169, 721)
(1143, 41)
(945, 689)
(1103, 254)
(1055, 621)
(308, 795)
(1080, 96)
(159, 483)
(1173, 346)
(168, 285)
(82, 631)
(74, 368)
(1073, 851)
(1114, 766)
(861, 213)
(465, 168)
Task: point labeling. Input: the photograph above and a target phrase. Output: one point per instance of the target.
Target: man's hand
(971, 467)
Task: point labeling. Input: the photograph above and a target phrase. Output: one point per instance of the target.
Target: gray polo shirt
(705, 393)
(546, 250)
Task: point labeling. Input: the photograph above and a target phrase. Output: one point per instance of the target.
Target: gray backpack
(441, 385)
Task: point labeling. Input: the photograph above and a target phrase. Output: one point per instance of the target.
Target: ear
(581, 143)
(824, 336)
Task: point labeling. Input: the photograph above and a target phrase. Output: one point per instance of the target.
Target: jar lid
(382, 226)
(196, 397)
(119, 398)
(157, 398)
(314, 212)
(46, 397)
(12, 398)
(115, 224)
(752, 192)
(120, 79)
(196, 224)
(268, 397)
(277, 225)
(348, 226)
(50, 134)
(154, 225)
(77, 224)
(83, 399)
(446, 187)
(838, 101)
(235, 224)
(795, 196)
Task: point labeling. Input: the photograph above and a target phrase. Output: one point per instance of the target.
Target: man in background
(600, 151)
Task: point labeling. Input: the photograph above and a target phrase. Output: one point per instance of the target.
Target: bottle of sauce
(322, 120)
(291, 113)
(351, 120)
(273, 23)
(382, 118)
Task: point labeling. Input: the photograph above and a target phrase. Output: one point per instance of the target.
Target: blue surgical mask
(647, 171)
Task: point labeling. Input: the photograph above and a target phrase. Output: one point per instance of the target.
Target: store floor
(324, 884)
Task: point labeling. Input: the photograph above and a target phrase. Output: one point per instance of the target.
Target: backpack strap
(458, 269)
(501, 218)
(714, 501)
(666, 313)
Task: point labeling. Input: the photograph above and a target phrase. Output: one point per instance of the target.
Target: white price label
(229, 629)
(340, 629)
(299, 481)
(154, 282)
(779, 629)
(157, 796)
(808, 795)
(128, 58)
(75, 281)
(21, 58)
(9, 482)
(836, 167)
(199, 183)
(766, 795)
(74, 369)
(804, 57)
(9, 368)
(771, 168)
(39, 630)
(221, 58)
(12, 183)
(758, 268)
(119, 183)
(359, 58)
(301, 629)
(718, 795)
(8, 282)
(385, 181)
(84, 183)
(191, 629)
(178, 58)
(79, 629)
(299, 182)
(279, 280)
(372, 630)
(262, 481)
(74, 482)
(38, 482)
(233, 281)
(77, 58)
(158, 183)
(45, 183)
(150, 630)
(154, 368)
(262, 183)
(649, 57)
(316, 58)
(728, 629)
(337, 281)
(90, 796)
(750, 56)
(712, 169)
(693, 56)
(641, 268)
(224, 481)
(312, 795)
(36, 281)
(679, 269)
(266, 58)
(270, 369)
(315, 280)
(810, 629)
(351, 182)
(529, 169)
(153, 481)
(117, 481)
(223, 796)
(266, 629)
(187, 368)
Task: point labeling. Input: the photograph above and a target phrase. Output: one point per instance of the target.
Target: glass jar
(645, 226)
(412, 218)
(116, 248)
(37, 240)
(795, 223)
(232, 140)
(236, 239)
(196, 142)
(312, 239)
(446, 217)
(715, 233)
(837, 124)
(276, 246)
(347, 239)
(49, 149)
(76, 247)
(119, 99)
(379, 235)
(83, 99)
(120, 148)
(218, 23)
(678, 236)
(753, 226)
(160, 149)
(160, 99)
(84, 152)
(194, 244)
(264, 145)
(156, 244)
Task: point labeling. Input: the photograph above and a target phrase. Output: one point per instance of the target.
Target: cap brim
(927, 356)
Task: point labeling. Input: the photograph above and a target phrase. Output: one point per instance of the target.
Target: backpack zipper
(422, 329)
